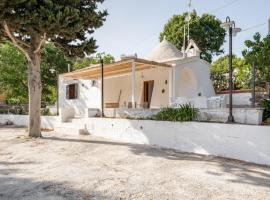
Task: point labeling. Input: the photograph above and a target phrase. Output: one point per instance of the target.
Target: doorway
(148, 87)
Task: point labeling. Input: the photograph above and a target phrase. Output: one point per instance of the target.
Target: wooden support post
(102, 87)
(133, 85)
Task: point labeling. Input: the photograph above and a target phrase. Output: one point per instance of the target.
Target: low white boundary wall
(243, 142)
(47, 122)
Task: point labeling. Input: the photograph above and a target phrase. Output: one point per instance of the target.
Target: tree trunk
(34, 88)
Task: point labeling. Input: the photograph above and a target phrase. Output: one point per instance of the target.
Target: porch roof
(114, 69)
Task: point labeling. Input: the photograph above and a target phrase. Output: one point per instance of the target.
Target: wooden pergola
(123, 67)
(114, 69)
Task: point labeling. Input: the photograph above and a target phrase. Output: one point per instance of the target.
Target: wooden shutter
(72, 91)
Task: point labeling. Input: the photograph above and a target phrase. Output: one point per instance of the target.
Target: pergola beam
(133, 85)
(117, 68)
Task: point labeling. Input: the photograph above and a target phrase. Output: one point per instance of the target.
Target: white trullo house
(165, 77)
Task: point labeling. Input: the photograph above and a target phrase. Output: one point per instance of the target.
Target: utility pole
(253, 85)
(269, 26)
(230, 118)
(230, 26)
(189, 7)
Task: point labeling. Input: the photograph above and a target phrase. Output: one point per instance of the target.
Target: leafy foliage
(204, 30)
(13, 73)
(68, 24)
(87, 61)
(46, 112)
(266, 105)
(52, 64)
(220, 71)
(258, 51)
(184, 113)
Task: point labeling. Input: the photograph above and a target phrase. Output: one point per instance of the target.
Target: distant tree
(204, 30)
(28, 24)
(13, 73)
(81, 63)
(220, 71)
(53, 63)
(258, 51)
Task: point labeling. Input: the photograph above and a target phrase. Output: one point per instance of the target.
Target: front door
(148, 87)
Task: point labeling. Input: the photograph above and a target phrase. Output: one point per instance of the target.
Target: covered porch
(128, 84)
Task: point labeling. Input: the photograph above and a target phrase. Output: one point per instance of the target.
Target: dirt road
(84, 167)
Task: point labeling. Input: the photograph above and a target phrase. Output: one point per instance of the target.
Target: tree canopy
(81, 63)
(220, 72)
(13, 73)
(258, 51)
(204, 30)
(67, 23)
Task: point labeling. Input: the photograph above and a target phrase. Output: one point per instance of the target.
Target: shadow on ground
(243, 172)
(12, 187)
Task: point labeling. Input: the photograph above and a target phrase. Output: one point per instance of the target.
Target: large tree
(220, 73)
(258, 51)
(28, 24)
(205, 30)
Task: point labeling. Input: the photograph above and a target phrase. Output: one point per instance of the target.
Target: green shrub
(185, 112)
(266, 105)
(3, 111)
(45, 112)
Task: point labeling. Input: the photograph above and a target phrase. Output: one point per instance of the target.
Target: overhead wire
(213, 11)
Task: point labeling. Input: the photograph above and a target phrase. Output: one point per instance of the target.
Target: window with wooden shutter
(72, 91)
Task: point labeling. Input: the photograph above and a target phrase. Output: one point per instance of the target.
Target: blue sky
(133, 26)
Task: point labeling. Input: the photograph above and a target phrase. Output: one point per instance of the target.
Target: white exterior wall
(243, 142)
(88, 97)
(192, 76)
(47, 122)
(239, 99)
(159, 75)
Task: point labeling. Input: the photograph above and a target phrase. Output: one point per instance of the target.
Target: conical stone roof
(165, 51)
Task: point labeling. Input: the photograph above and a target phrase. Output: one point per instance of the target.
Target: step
(67, 131)
(71, 131)
(77, 120)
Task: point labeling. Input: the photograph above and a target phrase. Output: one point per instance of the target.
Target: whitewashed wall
(159, 75)
(239, 99)
(47, 122)
(243, 142)
(192, 76)
(89, 96)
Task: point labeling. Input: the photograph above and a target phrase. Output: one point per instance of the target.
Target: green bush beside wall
(185, 112)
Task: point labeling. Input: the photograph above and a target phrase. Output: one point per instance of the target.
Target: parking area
(59, 166)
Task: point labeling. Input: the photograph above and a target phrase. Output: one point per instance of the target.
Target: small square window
(72, 91)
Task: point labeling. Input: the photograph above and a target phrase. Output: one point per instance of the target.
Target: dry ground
(65, 167)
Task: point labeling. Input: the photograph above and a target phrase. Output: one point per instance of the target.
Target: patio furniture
(112, 105)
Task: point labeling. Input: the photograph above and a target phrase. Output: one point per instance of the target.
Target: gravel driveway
(84, 167)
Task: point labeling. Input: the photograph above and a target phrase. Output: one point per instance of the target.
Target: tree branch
(41, 42)
(23, 43)
(14, 41)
